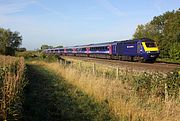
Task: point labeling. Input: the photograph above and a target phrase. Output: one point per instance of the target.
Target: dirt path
(50, 98)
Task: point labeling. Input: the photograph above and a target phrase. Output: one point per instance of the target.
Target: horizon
(78, 22)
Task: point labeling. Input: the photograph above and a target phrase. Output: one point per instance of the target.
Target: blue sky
(76, 22)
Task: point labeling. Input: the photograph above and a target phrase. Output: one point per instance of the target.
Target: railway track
(146, 67)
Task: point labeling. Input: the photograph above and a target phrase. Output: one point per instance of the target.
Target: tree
(165, 30)
(43, 47)
(9, 41)
(59, 46)
(22, 49)
(174, 51)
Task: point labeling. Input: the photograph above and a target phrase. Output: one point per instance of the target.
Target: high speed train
(137, 49)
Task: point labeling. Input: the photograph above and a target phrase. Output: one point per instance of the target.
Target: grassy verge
(48, 97)
(168, 60)
(140, 97)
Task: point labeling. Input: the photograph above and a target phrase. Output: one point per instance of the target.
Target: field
(80, 90)
(130, 95)
(11, 87)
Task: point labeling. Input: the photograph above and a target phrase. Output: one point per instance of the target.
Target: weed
(12, 82)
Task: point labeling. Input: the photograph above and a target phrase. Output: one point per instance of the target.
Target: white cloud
(110, 7)
(10, 7)
(53, 11)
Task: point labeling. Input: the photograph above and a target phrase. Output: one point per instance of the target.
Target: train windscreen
(150, 44)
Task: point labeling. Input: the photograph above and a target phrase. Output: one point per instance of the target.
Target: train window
(150, 44)
(69, 50)
(83, 49)
(92, 49)
(103, 48)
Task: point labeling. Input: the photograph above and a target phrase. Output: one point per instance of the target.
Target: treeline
(9, 41)
(165, 30)
(43, 47)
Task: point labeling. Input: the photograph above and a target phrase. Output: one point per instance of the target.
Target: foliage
(49, 58)
(168, 60)
(43, 47)
(165, 30)
(23, 49)
(28, 54)
(174, 51)
(173, 83)
(59, 46)
(9, 41)
(11, 87)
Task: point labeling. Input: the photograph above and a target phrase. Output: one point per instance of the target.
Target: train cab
(148, 49)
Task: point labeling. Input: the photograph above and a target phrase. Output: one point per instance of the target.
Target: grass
(84, 91)
(12, 83)
(168, 60)
(128, 97)
(49, 97)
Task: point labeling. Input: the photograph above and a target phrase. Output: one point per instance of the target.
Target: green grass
(50, 98)
(168, 60)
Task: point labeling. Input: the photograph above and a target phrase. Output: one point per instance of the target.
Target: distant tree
(165, 30)
(9, 41)
(43, 47)
(23, 49)
(50, 47)
(60, 46)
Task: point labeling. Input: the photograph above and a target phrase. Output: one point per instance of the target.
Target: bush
(49, 58)
(173, 83)
(148, 84)
(174, 51)
(142, 84)
(27, 54)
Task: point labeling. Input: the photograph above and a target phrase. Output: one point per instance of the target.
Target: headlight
(148, 51)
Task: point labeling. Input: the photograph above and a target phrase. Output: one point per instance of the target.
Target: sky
(77, 22)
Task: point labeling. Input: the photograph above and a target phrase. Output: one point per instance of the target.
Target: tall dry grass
(124, 101)
(11, 86)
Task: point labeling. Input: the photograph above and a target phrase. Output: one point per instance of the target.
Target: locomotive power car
(137, 49)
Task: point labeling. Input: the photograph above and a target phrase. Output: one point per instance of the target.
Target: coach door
(110, 49)
(139, 48)
(114, 49)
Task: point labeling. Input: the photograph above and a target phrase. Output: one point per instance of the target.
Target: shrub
(173, 83)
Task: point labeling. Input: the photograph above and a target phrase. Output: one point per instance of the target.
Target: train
(143, 50)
